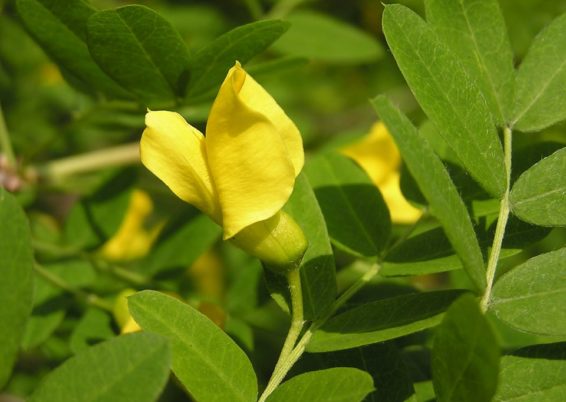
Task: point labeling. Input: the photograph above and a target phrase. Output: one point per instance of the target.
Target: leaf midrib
(470, 135)
(481, 61)
(146, 53)
(539, 94)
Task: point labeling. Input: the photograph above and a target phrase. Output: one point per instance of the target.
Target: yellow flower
(242, 173)
(378, 155)
(134, 237)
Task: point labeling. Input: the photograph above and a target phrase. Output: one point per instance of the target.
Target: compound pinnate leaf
(339, 384)
(539, 195)
(210, 64)
(382, 320)
(541, 80)
(465, 355)
(447, 95)
(205, 360)
(16, 286)
(437, 187)
(60, 28)
(141, 51)
(533, 374)
(130, 368)
(354, 210)
(532, 296)
(474, 30)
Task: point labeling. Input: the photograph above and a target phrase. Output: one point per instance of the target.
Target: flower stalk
(58, 170)
(289, 358)
(502, 219)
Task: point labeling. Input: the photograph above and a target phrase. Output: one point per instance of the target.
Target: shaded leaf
(541, 80)
(474, 30)
(339, 384)
(539, 194)
(309, 37)
(183, 245)
(127, 368)
(447, 95)
(16, 286)
(210, 64)
(382, 320)
(533, 374)
(382, 360)
(355, 213)
(60, 29)
(205, 360)
(141, 51)
(93, 327)
(437, 187)
(532, 296)
(465, 355)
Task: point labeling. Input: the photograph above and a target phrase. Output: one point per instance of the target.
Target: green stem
(121, 155)
(98, 263)
(5, 142)
(119, 272)
(282, 8)
(285, 364)
(88, 298)
(254, 8)
(501, 223)
(297, 322)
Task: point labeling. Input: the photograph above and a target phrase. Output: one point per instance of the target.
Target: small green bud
(278, 241)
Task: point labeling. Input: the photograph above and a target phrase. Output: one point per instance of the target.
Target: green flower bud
(278, 241)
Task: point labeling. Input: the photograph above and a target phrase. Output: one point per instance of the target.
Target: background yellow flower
(378, 155)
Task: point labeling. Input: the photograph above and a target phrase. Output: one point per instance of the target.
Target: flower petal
(253, 163)
(175, 152)
(257, 98)
(376, 153)
(134, 238)
(400, 209)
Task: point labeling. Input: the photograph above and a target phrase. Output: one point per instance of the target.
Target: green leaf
(16, 286)
(318, 273)
(141, 51)
(355, 213)
(437, 187)
(60, 29)
(309, 37)
(382, 320)
(383, 361)
(127, 368)
(205, 360)
(339, 384)
(447, 95)
(465, 355)
(49, 303)
(93, 327)
(532, 296)
(533, 374)
(210, 65)
(538, 195)
(541, 79)
(474, 30)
